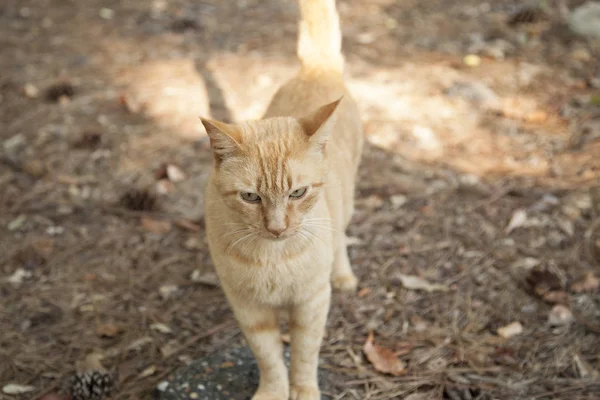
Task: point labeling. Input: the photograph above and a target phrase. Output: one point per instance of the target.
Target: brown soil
(98, 245)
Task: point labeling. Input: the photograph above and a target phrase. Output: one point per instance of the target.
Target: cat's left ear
(225, 138)
(317, 125)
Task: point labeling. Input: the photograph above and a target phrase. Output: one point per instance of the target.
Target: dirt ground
(484, 142)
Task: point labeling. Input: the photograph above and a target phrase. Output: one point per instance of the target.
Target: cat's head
(270, 172)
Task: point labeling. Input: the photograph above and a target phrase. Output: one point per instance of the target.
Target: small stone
(560, 315)
(162, 386)
(510, 330)
(31, 91)
(106, 13)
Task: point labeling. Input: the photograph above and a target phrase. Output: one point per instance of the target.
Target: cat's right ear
(224, 138)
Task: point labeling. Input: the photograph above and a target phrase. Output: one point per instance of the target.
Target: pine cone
(139, 200)
(91, 385)
(58, 90)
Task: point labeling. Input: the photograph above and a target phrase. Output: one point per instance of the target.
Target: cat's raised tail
(320, 38)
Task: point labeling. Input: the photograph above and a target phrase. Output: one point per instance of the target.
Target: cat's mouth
(278, 237)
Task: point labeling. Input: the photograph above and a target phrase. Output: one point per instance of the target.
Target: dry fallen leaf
(384, 360)
(162, 328)
(510, 330)
(556, 297)
(589, 283)
(139, 343)
(107, 330)
(175, 174)
(517, 220)
(13, 388)
(209, 279)
(91, 362)
(155, 225)
(169, 349)
(151, 370)
(416, 283)
(364, 291)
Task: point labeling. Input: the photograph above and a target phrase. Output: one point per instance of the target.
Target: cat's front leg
(261, 329)
(307, 326)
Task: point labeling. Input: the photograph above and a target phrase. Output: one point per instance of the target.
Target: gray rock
(228, 375)
(585, 20)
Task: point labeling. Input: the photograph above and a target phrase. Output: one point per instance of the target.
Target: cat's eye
(250, 197)
(298, 193)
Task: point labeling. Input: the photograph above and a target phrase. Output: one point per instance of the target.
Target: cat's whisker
(252, 240)
(227, 234)
(324, 227)
(317, 219)
(311, 234)
(232, 245)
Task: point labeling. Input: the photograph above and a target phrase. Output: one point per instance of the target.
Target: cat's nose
(276, 230)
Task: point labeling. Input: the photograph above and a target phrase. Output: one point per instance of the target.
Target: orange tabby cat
(277, 204)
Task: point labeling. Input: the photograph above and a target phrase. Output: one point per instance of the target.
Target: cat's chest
(279, 282)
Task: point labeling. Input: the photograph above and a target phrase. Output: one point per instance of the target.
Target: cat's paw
(305, 393)
(344, 283)
(270, 396)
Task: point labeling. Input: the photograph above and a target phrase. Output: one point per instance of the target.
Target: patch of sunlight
(171, 92)
(248, 82)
